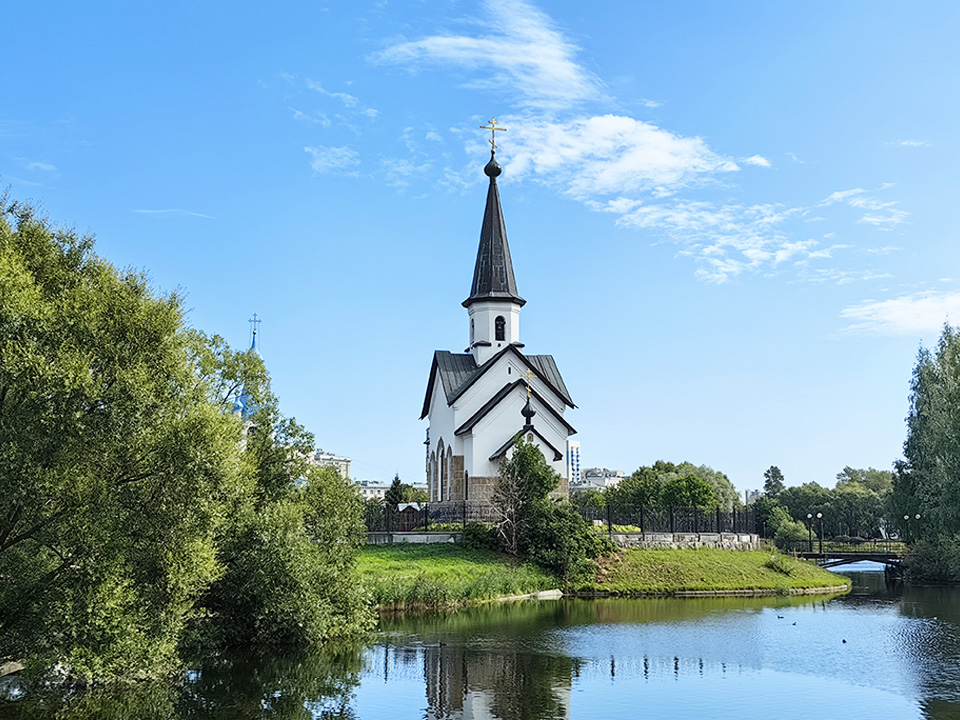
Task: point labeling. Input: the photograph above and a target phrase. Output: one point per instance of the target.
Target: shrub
(480, 536)
(789, 533)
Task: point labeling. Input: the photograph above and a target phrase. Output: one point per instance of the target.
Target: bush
(789, 533)
(560, 541)
(779, 563)
(480, 536)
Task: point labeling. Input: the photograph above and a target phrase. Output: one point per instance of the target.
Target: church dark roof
(493, 275)
(458, 372)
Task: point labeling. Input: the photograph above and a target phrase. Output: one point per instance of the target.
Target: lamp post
(906, 528)
(809, 533)
(916, 530)
(820, 518)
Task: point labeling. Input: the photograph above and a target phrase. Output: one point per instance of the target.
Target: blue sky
(733, 223)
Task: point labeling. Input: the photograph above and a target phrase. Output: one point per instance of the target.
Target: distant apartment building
(573, 462)
(342, 464)
(751, 496)
(598, 479)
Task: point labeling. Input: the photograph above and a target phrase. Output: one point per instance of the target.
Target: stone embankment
(677, 541)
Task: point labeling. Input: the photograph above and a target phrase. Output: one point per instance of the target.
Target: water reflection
(882, 651)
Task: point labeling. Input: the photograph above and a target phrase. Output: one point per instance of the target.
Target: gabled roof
(458, 372)
(493, 274)
(557, 455)
(496, 399)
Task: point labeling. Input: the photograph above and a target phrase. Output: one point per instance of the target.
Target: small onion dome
(238, 404)
(492, 168)
(528, 412)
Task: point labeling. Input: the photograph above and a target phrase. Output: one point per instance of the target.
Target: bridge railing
(864, 547)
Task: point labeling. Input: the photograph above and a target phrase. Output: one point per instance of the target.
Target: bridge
(831, 554)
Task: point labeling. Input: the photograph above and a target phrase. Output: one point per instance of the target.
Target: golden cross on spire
(494, 129)
(255, 323)
(528, 375)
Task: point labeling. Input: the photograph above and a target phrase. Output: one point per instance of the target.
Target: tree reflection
(296, 687)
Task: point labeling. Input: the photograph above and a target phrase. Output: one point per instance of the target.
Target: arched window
(471, 331)
(500, 325)
(449, 469)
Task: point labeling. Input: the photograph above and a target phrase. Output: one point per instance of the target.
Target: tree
(725, 494)
(525, 480)
(927, 481)
(773, 481)
(394, 494)
(553, 535)
(116, 468)
(878, 481)
(689, 491)
(642, 488)
(134, 504)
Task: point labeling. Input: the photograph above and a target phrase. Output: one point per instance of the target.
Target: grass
(444, 575)
(656, 571)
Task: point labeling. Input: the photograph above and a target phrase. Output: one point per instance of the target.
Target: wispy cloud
(173, 211)
(522, 52)
(332, 159)
(350, 102)
(911, 314)
(882, 214)
(909, 143)
(45, 167)
(653, 179)
(317, 117)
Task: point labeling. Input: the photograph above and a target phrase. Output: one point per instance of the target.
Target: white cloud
(173, 211)
(332, 159)
(905, 315)
(910, 143)
(45, 167)
(346, 98)
(317, 117)
(608, 154)
(522, 52)
(757, 160)
(795, 159)
(882, 214)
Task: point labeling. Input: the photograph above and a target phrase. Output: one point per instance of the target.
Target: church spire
(493, 274)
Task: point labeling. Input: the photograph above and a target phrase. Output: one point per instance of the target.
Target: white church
(479, 402)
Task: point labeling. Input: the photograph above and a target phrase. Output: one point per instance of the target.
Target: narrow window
(500, 324)
(471, 331)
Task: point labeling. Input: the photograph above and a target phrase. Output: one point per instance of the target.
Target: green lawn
(643, 571)
(413, 575)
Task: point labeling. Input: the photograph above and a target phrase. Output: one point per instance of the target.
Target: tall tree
(773, 482)
(116, 469)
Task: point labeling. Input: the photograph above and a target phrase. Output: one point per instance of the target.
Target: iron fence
(426, 517)
(452, 516)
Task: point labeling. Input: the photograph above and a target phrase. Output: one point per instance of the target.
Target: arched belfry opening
(500, 328)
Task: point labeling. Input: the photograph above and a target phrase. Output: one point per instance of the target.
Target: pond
(880, 652)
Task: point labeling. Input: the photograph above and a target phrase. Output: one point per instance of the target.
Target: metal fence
(658, 519)
(426, 517)
(452, 516)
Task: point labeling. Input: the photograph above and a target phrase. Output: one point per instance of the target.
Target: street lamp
(820, 518)
(809, 533)
(906, 528)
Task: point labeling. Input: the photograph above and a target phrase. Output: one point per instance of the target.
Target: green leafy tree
(532, 526)
(689, 491)
(116, 468)
(773, 481)
(642, 488)
(725, 494)
(878, 481)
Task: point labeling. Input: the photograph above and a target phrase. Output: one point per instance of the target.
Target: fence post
(643, 533)
(673, 529)
(696, 520)
(386, 516)
(464, 514)
(609, 523)
(426, 517)
(719, 526)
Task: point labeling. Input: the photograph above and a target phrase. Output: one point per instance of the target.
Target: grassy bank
(640, 571)
(405, 576)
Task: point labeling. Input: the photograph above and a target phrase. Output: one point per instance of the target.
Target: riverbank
(447, 575)
(708, 571)
(406, 576)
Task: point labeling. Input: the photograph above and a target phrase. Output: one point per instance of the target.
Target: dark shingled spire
(493, 275)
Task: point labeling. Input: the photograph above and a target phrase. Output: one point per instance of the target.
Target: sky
(734, 223)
